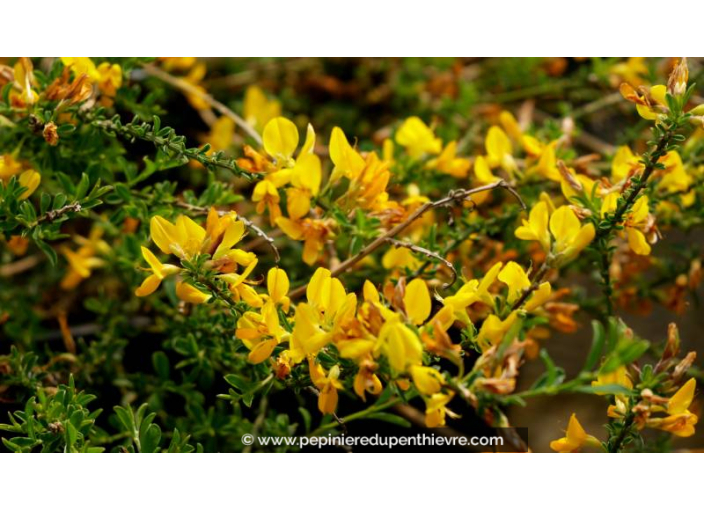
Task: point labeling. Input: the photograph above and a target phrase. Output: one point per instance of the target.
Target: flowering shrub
(388, 248)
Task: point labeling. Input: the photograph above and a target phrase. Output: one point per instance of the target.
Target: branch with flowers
(411, 269)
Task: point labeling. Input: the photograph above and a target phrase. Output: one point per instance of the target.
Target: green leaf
(59, 201)
(71, 436)
(82, 187)
(126, 418)
(238, 382)
(65, 129)
(598, 340)
(44, 203)
(161, 364)
(150, 439)
(48, 251)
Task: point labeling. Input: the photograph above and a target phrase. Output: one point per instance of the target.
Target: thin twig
(186, 87)
(452, 197)
(56, 213)
(20, 266)
(427, 253)
(535, 283)
(634, 190)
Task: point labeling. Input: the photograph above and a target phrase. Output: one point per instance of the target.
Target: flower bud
(677, 83)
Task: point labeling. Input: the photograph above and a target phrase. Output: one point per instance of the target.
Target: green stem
(615, 445)
(174, 145)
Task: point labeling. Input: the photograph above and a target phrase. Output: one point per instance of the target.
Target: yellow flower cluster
(186, 239)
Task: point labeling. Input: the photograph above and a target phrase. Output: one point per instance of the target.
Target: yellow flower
(632, 70)
(240, 287)
(23, 80)
(494, 330)
(417, 138)
(636, 223)
(416, 300)
(326, 299)
(305, 180)
(676, 179)
(260, 333)
(367, 189)
(516, 279)
(366, 381)
(651, 105)
(280, 139)
(679, 402)
(109, 79)
(681, 420)
(474, 291)
(84, 260)
(427, 380)
(482, 171)
(348, 162)
(540, 296)
(575, 438)
(625, 163)
(387, 151)
(266, 194)
(436, 409)
(400, 258)
(314, 233)
(536, 227)
(9, 166)
(499, 150)
(325, 292)
(190, 294)
(184, 239)
(540, 157)
(547, 162)
(179, 63)
(510, 125)
(258, 109)
(29, 179)
(327, 384)
(222, 233)
(399, 344)
(159, 272)
(573, 184)
(570, 236)
(448, 162)
(278, 286)
(308, 336)
(81, 65)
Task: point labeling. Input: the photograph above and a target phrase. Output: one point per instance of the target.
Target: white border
(357, 28)
(344, 481)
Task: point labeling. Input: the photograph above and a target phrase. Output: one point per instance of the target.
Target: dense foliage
(193, 249)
